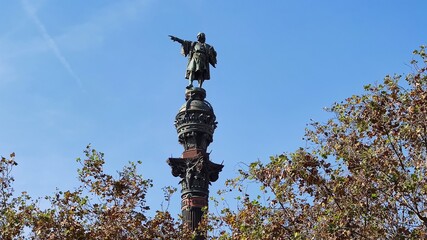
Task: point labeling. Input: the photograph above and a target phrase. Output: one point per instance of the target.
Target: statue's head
(201, 37)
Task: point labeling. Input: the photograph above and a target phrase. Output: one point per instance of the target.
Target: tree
(102, 207)
(14, 211)
(363, 175)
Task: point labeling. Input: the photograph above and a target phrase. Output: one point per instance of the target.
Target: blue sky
(105, 73)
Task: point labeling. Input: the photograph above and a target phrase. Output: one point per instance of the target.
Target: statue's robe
(200, 55)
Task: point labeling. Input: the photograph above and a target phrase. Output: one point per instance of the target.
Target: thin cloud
(50, 42)
(104, 21)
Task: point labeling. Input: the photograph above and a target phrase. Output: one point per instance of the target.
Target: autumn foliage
(362, 175)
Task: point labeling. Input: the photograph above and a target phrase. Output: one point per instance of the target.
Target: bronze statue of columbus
(200, 55)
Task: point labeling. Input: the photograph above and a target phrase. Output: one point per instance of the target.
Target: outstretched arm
(175, 39)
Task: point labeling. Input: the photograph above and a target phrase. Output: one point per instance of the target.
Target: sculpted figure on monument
(200, 55)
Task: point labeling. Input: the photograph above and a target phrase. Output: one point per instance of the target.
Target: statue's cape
(212, 55)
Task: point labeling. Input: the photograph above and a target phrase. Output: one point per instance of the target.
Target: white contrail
(51, 43)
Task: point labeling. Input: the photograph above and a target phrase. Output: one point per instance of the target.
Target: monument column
(195, 124)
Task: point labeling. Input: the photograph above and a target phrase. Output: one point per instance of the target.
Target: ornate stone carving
(195, 124)
(196, 173)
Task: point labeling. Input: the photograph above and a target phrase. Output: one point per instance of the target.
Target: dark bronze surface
(195, 124)
(200, 55)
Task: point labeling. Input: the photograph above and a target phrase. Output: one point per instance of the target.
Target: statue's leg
(190, 84)
(200, 83)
